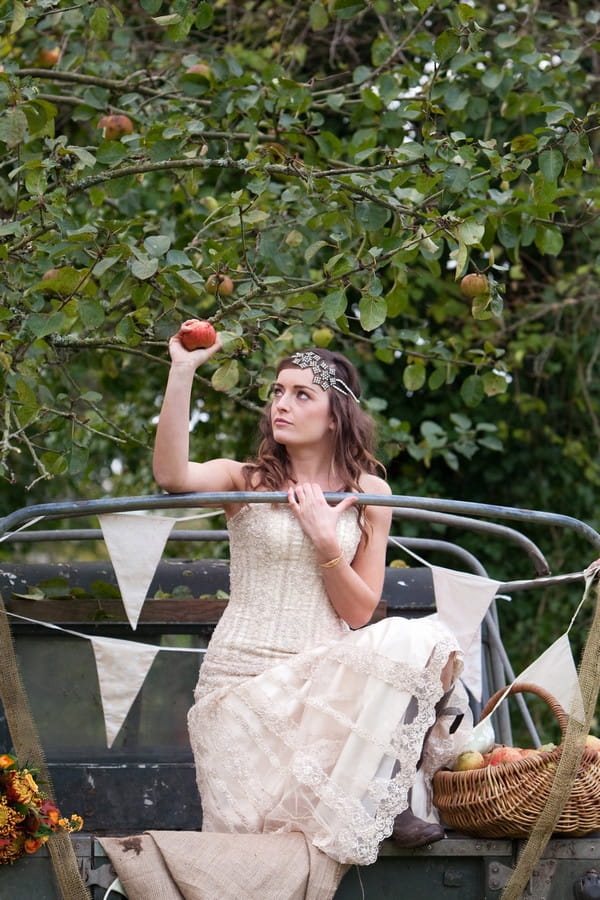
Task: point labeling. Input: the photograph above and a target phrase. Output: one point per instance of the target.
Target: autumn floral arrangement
(27, 817)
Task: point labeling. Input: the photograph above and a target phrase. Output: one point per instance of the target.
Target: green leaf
(87, 160)
(204, 16)
(40, 116)
(371, 99)
(226, 376)
(318, 16)
(371, 215)
(91, 312)
(433, 433)
(523, 143)
(446, 45)
(36, 181)
(99, 23)
(111, 153)
(456, 178)
(144, 268)
(40, 325)
(414, 376)
(78, 459)
(551, 163)
(27, 401)
(125, 331)
(549, 240)
(373, 311)
(103, 265)
(470, 232)
(157, 244)
(314, 249)
(494, 383)
(472, 390)
(19, 17)
(334, 304)
(170, 19)
(437, 378)
(13, 127)
(347, 9)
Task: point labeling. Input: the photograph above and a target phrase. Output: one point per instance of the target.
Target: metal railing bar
(175, 501)
(539, 561)
(221, 535)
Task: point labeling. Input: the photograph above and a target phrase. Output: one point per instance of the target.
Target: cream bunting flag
(122, 667)
(135, 545)
(462, 600)
(555, 672)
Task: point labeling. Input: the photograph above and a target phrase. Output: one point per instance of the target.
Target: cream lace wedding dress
(299, 723)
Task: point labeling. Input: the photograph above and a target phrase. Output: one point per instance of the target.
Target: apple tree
(323, 172)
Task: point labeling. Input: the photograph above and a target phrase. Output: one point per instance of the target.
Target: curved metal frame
(430, 510)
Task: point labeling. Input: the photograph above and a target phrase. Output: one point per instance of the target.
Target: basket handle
(524, 687)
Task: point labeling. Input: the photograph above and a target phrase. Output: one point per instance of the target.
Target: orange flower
(50, 812)
(9, 819)
(32, 844)
(6, 761)
(75, 823)
(11, 851)
(21, 787)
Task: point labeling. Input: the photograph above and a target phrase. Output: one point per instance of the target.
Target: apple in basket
(469, 759)
(502, 755)
(592, 742)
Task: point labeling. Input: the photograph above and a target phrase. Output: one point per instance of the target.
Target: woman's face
(300, 411)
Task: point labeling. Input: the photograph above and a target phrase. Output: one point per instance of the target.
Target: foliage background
(345, 162)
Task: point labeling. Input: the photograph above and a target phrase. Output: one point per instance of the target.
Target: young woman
(304, 720)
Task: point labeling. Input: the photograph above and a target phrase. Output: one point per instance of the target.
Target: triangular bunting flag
(122, 667)
(555, 672)
(135, 544)
(462, 600)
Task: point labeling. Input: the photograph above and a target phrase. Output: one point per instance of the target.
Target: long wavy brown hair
(354, 435)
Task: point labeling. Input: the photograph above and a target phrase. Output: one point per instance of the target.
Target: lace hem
(328, 744)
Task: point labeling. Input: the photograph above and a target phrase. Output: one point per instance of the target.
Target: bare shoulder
(372, 484)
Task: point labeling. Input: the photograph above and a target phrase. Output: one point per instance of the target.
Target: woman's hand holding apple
(181, 355)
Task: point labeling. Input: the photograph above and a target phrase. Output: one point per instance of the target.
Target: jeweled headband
(323, 372)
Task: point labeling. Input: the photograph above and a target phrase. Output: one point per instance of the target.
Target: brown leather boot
(410, 831)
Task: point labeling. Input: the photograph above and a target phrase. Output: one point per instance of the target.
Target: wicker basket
(506, 800)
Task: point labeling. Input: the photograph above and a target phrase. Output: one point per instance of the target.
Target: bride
(304, 719)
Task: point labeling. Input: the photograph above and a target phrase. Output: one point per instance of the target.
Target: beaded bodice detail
(278, 605)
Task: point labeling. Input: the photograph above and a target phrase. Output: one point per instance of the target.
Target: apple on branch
(197, 334)
(48, 57)
(474, 285)
(200, 68)
(115, 126)
(219, 284)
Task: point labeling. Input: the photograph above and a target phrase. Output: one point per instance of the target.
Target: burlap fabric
(573, 746)
(184, 865)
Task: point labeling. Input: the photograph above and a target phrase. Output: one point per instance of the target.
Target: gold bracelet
(332, 562)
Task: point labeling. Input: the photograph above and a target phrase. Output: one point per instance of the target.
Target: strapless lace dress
(299, 723)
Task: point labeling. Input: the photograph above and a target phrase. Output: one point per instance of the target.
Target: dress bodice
(278, 604)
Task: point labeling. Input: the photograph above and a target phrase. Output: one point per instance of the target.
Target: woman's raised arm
(172, 467)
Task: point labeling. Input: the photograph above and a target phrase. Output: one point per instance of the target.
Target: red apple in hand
(196, 334)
